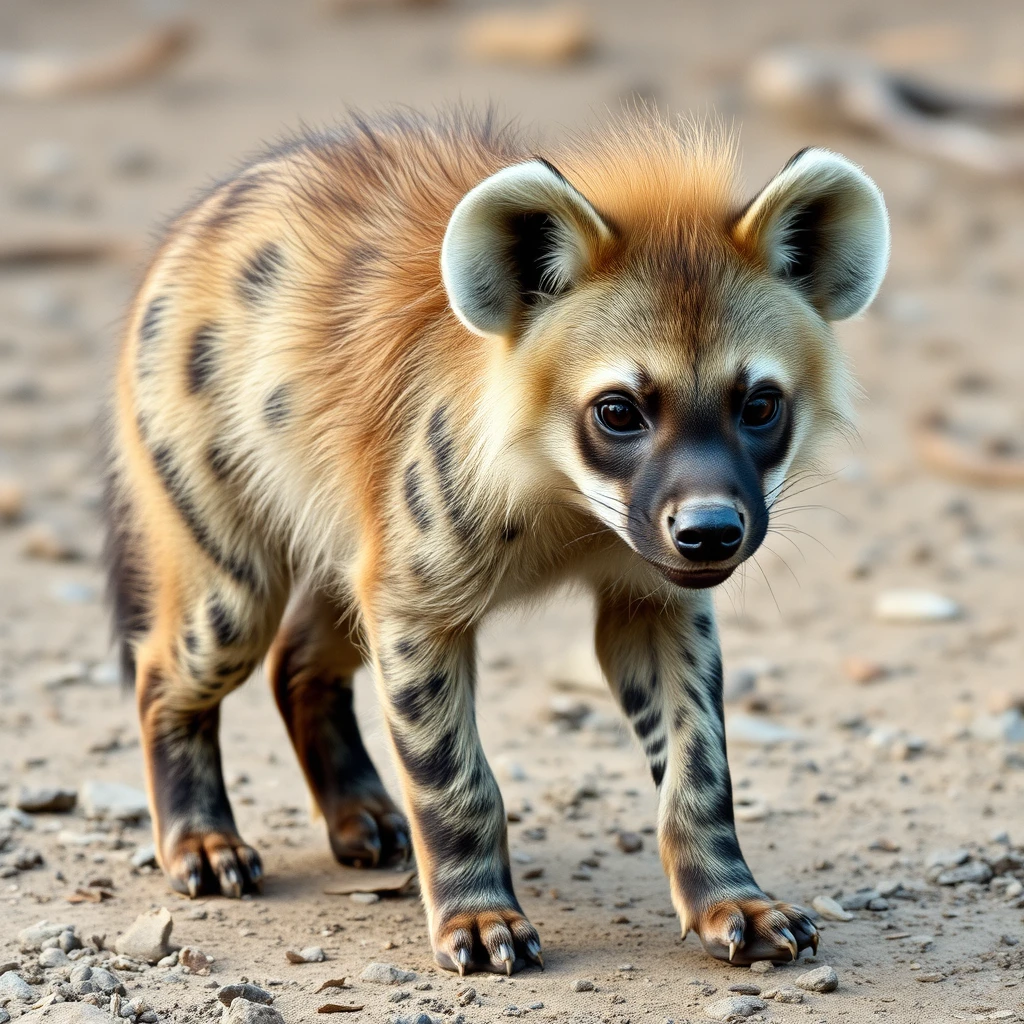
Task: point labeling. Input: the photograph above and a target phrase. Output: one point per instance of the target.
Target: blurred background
(887, 633)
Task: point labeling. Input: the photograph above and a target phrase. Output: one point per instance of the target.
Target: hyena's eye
(762, 408)
(619, 415)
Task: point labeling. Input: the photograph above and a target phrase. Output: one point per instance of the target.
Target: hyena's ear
(519, 237)
(821, 224)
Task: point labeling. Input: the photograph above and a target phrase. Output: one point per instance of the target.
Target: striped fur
(359, 406)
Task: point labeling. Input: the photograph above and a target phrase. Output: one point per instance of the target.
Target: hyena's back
(263, 356)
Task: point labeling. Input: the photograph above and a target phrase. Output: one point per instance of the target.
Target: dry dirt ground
(844, 786)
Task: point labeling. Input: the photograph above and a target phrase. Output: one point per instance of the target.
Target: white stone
(758, 731)
(35, 935)
(67, 1013)
(114, 801)
(830, 909)
(386, 974)
(912, 606)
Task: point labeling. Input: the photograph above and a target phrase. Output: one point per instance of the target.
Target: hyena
(390, 377)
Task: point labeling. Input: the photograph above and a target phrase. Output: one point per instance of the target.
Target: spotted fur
(359, 406)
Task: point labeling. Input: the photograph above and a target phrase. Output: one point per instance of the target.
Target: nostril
(730, 536)
(690, 538)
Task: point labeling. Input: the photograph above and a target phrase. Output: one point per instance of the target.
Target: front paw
(498, 939)
(742, 930)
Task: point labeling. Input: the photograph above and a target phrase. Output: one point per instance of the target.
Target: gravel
(821, 979)
(32, 938)
(973, 871)
(583, 985)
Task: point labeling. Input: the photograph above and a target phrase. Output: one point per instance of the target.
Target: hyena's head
(665, 349)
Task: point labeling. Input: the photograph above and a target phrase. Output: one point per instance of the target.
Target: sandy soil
(869, 780)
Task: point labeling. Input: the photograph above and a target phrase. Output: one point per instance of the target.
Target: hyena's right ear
(521, 236)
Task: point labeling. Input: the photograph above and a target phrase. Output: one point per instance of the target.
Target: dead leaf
(293, 957)
(371, 880)
(334, 983)
(90, 896)
(337, 1008)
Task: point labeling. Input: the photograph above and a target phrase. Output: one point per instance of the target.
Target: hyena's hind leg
(311, 666)
(207, 636)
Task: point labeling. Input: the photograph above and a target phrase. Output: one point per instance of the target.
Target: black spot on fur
(225, 629)
(178, 491)
(703, 768)
(633, 697)
(703, 624)
(406, 649)
(149, 329)
(414, 701)
(201, 358)
(276, 408)
(191, 642)
(434, 767)
(655, 748)
(443, 448)
(510, 531)
(658, 772)
(679, 719)
(646, 725)
(229, 669)
(219, 461)
(414, 497)
(260, 274)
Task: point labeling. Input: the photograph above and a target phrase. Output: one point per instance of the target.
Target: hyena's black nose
(707, 533)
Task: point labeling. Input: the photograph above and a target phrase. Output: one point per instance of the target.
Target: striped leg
(664, 665)
(310, 667)
(456, 811)
(208, 636)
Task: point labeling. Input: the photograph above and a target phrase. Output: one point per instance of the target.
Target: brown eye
(619, 416)
(762, 408)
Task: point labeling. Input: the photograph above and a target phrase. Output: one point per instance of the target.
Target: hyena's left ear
(821, 224)
(521, 236)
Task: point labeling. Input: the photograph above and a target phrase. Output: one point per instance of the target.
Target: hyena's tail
(127, 588)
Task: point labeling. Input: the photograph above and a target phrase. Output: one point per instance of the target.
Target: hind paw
(755, 928)
(212, 863)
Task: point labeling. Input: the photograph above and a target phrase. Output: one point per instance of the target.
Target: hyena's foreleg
(208, 634)
(458, 820)
(664, 665)
(310, 666)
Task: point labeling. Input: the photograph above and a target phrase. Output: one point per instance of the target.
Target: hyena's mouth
(694, 579)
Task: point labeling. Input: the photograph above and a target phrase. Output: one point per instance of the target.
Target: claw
(732, 949)
(787, 938)
(507, 957)
(533, 952)
(463, 961)
(735, 940)
(193, 883)
(814, 943)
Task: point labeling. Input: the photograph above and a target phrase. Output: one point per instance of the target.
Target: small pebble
(465, 996)
(12, 502)
(386, 974)
(913, 606)
(734, 1006)
(821, 979)
(762, 966)
(583, 985)
(745, 989)
(229, 993)
(829, 909)
(365, 898)
(629, 842)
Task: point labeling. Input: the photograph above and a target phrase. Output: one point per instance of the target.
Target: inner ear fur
(821, 225)
(521, 236)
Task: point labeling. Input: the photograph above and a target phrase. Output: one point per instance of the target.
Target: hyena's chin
(695, 579)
